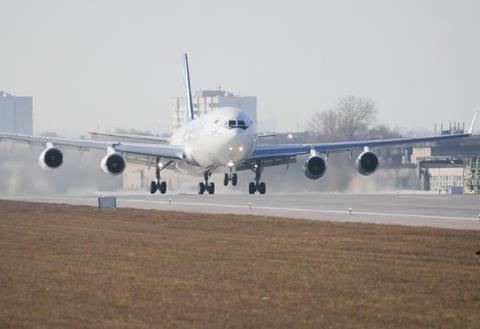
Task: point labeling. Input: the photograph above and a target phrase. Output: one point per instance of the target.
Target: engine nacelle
(113, 164)
(367, 163)
(314, 167)
(50, 158)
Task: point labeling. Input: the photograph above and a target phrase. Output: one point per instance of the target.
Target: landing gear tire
(205, 186)
(230, 177)
(162, 187)
(252, 188)
(210, 188)
(201, 188)
(156, 186)
(153, 187)
(261, 188)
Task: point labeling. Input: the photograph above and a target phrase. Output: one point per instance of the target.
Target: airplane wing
(156, 139)
(290, 150)
(152, 150)
(264, 152)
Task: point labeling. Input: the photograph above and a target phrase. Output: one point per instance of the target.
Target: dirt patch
(77, 267)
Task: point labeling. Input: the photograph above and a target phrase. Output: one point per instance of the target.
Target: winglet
(188, 91)
(473, 123)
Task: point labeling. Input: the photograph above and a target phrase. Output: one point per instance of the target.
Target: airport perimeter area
(65, 266)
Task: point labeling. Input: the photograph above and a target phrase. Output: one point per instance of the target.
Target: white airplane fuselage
(215, 139)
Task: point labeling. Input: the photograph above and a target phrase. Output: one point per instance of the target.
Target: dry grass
(77, 267)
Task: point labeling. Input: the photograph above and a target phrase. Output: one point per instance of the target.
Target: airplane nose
(239, 146)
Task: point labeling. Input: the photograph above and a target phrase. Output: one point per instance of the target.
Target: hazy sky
(110, 64)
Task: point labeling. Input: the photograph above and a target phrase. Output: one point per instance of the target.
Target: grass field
(78, 267)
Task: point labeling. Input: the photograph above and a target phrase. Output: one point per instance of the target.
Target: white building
(205, 101)
(16, 114)
(443, 179)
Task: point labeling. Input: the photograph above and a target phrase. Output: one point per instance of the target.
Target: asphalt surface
(447, 211)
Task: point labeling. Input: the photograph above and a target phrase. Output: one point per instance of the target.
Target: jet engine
(366, 163)
(50, 158)
(113, 164)
(314, 167)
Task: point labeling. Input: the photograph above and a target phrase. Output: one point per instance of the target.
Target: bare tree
(356, 116)
(325, 124)
(351, 119)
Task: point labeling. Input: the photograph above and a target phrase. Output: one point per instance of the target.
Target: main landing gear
(209, 187)
(158, 185)
(257, 185)
(230, 177)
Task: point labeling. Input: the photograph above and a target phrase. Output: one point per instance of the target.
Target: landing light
(230, 148)
(240, 148)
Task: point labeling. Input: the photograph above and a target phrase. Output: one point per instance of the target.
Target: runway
(446, 211)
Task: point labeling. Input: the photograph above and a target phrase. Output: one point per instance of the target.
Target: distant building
(205, 101)
(449, 164)
(16, 114)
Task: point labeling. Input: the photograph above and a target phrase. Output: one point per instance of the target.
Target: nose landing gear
(230, 177)
(209, 187)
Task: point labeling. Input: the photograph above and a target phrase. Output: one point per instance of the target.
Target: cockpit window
(236, 124)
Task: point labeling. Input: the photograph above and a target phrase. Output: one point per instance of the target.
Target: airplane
(224, 139)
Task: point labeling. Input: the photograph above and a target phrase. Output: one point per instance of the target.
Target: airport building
(205, 101)
(450, 166)
(16, 114)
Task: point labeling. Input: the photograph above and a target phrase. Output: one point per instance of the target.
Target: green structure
(472, 176)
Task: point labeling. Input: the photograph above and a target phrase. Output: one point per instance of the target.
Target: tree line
(352, 118)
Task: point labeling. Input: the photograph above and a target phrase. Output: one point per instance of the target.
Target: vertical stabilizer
(473, 123)
(188, 91)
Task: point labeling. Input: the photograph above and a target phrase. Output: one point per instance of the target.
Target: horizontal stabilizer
(263, 135)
